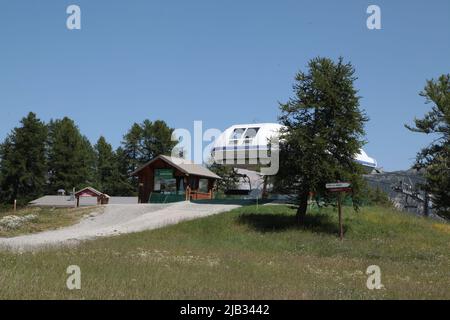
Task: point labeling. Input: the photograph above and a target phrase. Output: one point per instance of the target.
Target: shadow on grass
(320, 223)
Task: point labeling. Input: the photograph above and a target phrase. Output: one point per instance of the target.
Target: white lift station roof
(244, 138)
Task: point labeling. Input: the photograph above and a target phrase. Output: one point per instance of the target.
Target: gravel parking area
(115, 220)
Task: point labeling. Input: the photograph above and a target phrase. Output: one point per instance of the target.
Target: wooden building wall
(147, 180)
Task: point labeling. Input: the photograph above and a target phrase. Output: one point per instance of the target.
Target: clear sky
(222, 62)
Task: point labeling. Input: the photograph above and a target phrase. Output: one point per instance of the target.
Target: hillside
(249, 253)
(409, 179)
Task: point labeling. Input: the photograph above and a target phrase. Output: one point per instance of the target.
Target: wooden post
(188, 193)
(341, 229)
(339, 188)
(15, 205)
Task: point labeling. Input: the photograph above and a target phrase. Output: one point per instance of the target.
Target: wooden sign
(339, 187)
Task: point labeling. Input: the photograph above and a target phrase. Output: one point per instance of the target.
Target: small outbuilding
(172, 179)
(102, 198)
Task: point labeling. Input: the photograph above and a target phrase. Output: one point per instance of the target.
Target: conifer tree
(156, 140)
(123, 184)
(132, 147)
(435, 158)
(71, 158)
(324, 131)
(23, 161)
(142, 143)
(105, 166)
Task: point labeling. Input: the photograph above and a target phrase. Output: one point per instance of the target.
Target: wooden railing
(197, 195)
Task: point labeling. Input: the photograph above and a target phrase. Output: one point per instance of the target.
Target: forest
(38, 158)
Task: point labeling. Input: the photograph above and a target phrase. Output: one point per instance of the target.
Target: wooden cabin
(102, 198)
(170, 179)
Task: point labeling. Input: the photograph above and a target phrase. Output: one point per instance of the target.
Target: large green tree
(435, 158)
(111, 170)
(324, 129)
(142, 143)
(156, 140)
(71, 158)
(105, 166)
(132, 147)
(123, 185)
(23, 161)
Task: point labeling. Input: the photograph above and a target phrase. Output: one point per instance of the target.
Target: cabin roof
(185, 166)
(92, 191)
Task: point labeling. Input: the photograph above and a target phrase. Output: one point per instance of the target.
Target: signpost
(339, 187)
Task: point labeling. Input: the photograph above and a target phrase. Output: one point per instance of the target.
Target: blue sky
(222, 62)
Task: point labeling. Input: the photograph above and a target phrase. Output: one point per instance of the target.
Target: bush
(376, 196)
(14, 222)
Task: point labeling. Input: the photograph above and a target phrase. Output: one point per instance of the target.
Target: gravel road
(114, 220)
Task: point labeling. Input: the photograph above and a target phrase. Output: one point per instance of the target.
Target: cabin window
(237, 135)
(247, 135)
(203, 185)
(165, 181)
(250, 134)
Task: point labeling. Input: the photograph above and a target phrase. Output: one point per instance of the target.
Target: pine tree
(105, 166)
(324, 130)
(156, 140)
(436, 157)
(71, 158)
(123, 184)
(229, 177)
(23, 161)
(132, 147)
(142, 143)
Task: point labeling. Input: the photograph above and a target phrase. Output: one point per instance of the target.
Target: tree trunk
(264, 190)
(302, 207)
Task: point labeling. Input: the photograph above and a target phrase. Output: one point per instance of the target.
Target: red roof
(90, 192)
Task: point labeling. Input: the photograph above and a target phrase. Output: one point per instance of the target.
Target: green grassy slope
(248, 253)
(44, 219)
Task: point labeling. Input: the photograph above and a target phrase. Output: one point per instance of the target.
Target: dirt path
(115, 220)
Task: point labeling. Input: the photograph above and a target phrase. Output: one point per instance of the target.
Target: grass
(248, 253)
(46, 219)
